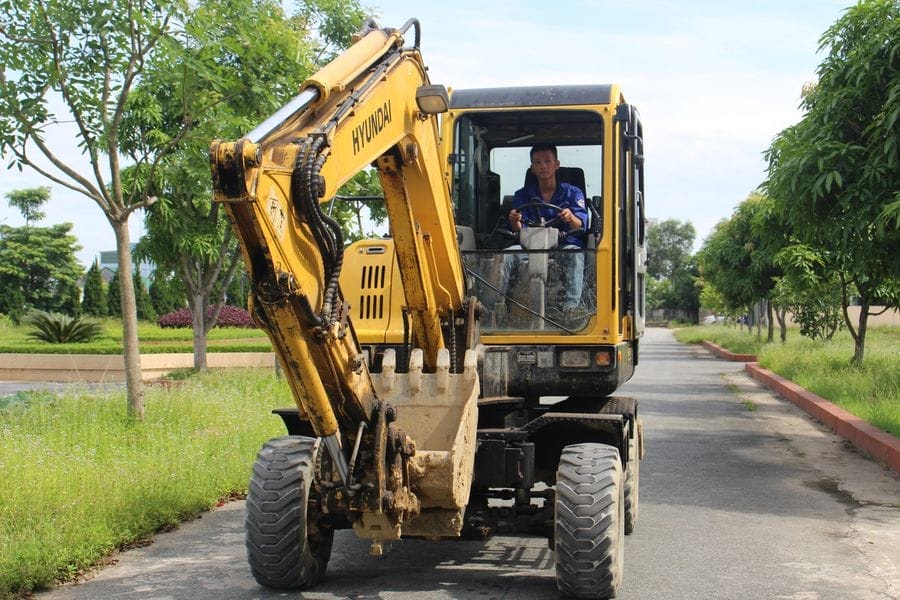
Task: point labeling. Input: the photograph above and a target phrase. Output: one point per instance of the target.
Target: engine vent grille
(371, 303)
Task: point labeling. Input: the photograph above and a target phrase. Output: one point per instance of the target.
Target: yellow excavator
(441, 390)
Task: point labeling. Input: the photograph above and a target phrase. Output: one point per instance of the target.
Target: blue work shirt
(565, 196)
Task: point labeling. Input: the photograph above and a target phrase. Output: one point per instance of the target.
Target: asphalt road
(742, 496)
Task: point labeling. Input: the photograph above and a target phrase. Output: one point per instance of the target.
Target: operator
(571, 219)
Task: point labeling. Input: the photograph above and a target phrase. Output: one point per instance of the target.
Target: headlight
(574, 359)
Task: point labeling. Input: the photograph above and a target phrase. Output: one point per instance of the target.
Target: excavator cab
(525, 282)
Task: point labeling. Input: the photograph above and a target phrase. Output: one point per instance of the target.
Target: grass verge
(871, 392)
(737, 341)
(81, 480)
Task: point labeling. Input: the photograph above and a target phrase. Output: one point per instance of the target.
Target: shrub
(114, 297)
(95, 294)
(142, 301)
(62, 329)
(176, 318)
(166, 291)
(229, 316)
(233, 316)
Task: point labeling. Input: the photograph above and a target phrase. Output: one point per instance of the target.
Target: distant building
(109, 264)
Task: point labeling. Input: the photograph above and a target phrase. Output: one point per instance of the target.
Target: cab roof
(532, 96)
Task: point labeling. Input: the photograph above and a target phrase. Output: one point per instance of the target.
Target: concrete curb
(111, 367)
(880, 445)
(725, 354)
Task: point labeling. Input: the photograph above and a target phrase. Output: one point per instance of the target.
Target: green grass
(153, 340)
(79, 479)
(871, 392)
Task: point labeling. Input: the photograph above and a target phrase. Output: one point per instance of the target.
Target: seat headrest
(571, 175)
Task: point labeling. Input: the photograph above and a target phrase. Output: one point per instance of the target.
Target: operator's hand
(515, 221)
(569, 218)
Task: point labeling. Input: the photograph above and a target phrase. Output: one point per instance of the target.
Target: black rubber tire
(288, 546)
(589, 524)
(633, 480)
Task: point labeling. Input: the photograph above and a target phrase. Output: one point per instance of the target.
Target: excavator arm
(373, 105)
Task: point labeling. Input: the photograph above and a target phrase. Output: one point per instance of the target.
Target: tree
(29, 202)
(166, 291)
(670, 244)
(143, 304)
(811, 290)
(767, 236)
(712, 299)
(87, 55)
(738, 257)
(359, 199)
(835, 175)
(38, 269)
(671, 268)
(93, 302)
(114, 296)
(724, 263)
(236, 294)
(243, 59)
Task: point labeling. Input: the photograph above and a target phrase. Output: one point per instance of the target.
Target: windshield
(533, 285)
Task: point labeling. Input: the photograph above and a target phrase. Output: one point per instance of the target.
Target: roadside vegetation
(81, 479)
(870, 391)
(153, 340)
(820, 234)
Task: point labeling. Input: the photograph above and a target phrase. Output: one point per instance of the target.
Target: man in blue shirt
(568, 209)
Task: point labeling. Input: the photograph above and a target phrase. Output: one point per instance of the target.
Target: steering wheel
(532, 223)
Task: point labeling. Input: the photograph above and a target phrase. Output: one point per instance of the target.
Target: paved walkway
(8, 388)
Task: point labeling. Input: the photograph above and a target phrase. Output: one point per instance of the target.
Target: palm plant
(60, 329)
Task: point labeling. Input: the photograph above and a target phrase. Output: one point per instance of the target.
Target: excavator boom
(359, 110)
(372, 106)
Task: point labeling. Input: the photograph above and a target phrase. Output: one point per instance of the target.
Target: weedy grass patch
(870, 391)
(80, 479)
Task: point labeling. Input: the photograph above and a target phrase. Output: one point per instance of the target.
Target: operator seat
(575, 176)
(571, 175)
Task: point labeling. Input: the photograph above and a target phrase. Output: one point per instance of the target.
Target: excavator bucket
(440, 412)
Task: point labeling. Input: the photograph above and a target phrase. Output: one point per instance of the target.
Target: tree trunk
(859, 340)
(757, 316)
(133, 381)
(780, 313)
(198, 316)
(771, 318)
(749, 319)
(859, 332)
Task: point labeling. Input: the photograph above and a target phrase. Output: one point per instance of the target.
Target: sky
(714, 81)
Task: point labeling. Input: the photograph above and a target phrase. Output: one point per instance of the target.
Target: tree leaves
(39, 263)
(835, 175)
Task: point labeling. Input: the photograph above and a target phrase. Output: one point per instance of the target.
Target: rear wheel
(288, 544)
(589, 524)
(633, 479)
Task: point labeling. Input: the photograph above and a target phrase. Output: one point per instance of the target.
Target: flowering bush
(229, 316)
